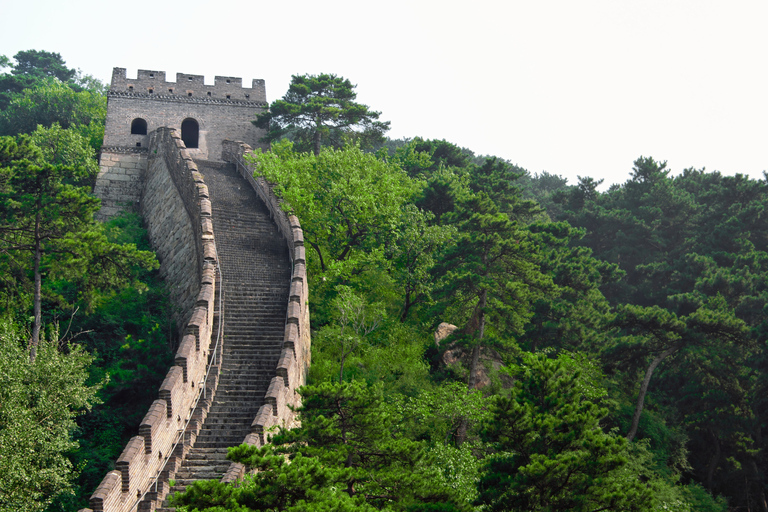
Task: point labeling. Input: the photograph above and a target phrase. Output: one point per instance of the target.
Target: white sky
(569, 87)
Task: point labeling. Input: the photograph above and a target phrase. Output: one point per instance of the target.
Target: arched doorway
(190, 132)
(138, 126)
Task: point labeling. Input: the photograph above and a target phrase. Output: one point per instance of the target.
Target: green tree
(67, 148)
(34, 68)
(443, 190)
(497, 178)
(693, 246)
(355, 319)
(550, 450)
(413, 255)
(39, 402)
(321, 107)
(42, 64)
(304, 484)
(491, 272)
(441, 154)
(577, 317)
(347, 200)
(131, 335)
(544, 188)
(46, 216)
(657, 333)
(346, 449)
(52, 102)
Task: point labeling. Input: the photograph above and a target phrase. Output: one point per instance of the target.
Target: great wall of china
(235, 265)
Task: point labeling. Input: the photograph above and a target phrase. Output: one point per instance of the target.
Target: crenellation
(223, 82)
(151, 76)
(186, 84)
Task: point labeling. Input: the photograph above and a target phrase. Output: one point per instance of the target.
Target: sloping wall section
(297, 337)
(177, 210)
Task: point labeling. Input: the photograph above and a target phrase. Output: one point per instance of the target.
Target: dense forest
(597, 349)
(85, 329)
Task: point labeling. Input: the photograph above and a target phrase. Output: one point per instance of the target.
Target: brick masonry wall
(119, 181)
(185, 83)
(170, 230)
(189, 259)
(223, 111)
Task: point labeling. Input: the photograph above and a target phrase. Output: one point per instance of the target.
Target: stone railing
(177, 210)
(295, 357)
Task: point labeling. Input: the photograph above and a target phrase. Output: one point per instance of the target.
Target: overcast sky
(569, 87)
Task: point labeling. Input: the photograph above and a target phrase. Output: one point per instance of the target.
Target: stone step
(225, 412)
(255, 285)
(260, 358)
(206, 453)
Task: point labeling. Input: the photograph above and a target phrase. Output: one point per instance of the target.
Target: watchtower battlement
(225, 88)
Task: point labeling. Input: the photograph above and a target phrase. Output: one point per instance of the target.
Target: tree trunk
(713, 463)
(406, 306)
(316, 142)
(758, 476)
(319, 255)
(644, 389)
(474, 365)
(35, 340)
(761, 501)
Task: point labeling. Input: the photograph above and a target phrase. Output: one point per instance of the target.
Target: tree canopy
(321, 109)
(46, 214)
(39, 402)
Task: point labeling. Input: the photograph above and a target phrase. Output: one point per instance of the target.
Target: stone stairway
(256, 274)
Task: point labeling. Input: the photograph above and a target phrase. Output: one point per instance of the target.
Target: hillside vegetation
(607, 349)
(85, 327)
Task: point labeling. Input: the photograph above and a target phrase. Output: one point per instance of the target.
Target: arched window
(189, 132)
(138, 126)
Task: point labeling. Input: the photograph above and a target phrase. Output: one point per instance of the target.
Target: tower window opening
(130, 88)
(170, 91)
(228, 96)
(190, 132)
(151, 91)
(209, 93)
(138, 126)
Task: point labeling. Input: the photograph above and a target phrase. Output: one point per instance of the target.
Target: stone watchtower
(204, 115)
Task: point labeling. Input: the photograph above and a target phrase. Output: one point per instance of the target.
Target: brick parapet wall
(295, 358)
(159, 448)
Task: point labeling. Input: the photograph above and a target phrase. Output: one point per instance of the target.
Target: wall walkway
(243, 300)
